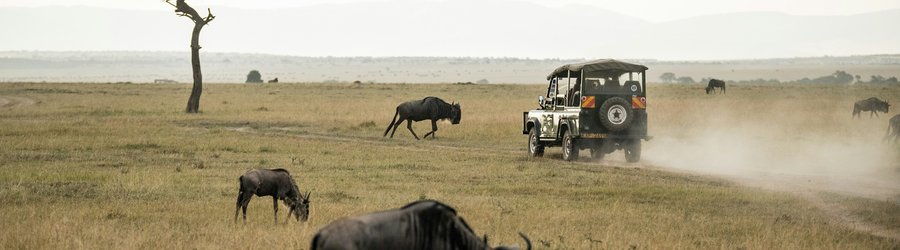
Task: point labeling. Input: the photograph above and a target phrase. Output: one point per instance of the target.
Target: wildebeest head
(300, 207)
(708, 89)
(885, 107)
(455, 113)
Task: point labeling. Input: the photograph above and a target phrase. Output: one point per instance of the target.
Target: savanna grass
(121, 166)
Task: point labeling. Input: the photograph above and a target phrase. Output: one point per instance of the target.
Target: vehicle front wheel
(535, 149)
(633, 150)
(570, 151)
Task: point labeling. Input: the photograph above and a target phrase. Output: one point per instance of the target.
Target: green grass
(120, 166)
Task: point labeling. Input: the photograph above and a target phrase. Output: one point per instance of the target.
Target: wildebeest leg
(245, 201)
(433, 129)
(290, 212)
(392, 123)
(275, 205)
(409, 126)
(396, 125)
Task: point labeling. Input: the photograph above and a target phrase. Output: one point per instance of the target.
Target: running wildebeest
(713, 84)
(893, 124)
(872, 104)
(274, 80)
(430, 108)
(277, 183)
(425, 224)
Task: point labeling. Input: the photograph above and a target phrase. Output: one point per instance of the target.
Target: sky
(650, 10)
(645, 29)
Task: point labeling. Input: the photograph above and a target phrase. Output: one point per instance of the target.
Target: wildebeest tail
(397, 112)
(240, 190)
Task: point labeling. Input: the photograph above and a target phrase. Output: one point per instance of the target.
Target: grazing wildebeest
(872, 104)
(425, 224)
(893, 124)
(430, 108)
(274, 80)
(277, 183)
(713, 84)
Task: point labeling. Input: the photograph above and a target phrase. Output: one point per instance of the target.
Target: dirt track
(15, 101)
(809, 187)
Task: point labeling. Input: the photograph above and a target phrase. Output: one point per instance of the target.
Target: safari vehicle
(598, 105)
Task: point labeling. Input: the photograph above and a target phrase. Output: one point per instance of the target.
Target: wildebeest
(872, 104)
(277, 183)
(274, 80)
(893, 124)
(430, 108)
(425, 224)
(713, 84)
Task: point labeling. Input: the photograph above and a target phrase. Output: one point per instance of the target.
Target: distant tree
(482, 81)
(842, 77)
(254, 77)
(686, 80)
(185, 10)
(838, 77)
(667, 77)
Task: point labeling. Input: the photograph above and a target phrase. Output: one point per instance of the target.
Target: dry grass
(119, 166)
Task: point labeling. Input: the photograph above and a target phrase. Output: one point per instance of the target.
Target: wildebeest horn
(307, 195)
(527, 241)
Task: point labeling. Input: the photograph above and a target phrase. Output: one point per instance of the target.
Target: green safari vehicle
(599, 105)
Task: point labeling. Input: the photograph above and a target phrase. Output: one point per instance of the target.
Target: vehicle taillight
(638, 102)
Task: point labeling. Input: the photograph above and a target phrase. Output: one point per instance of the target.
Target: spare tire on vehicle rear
(616, 114)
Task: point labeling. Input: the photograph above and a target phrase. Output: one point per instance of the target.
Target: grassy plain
(99, 166)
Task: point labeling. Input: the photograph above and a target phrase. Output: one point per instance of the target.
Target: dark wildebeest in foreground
(872, 104)
(274, 80)
(425, 224)
(893, 129)
(430, 108)
(713, 84)
(277, 183)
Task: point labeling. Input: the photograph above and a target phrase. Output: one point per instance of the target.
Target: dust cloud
(806, 152)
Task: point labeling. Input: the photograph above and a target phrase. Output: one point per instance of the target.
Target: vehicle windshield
(613, 83)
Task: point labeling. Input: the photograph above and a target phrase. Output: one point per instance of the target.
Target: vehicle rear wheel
(535, 149)
(570, 151)
(633, 150)
(616, 114)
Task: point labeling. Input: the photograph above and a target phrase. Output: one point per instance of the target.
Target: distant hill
(132, 66)
(486, 28)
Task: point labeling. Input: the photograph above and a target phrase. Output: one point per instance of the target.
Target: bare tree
(185, 10)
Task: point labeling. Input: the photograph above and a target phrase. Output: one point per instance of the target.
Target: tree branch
(209, 16)
(183, 9)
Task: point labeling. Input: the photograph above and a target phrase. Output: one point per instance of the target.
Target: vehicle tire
(616, 114)
(633, 150)
(570, 151)
(535, 149)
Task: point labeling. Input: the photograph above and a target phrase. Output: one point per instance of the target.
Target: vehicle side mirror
(541, 100)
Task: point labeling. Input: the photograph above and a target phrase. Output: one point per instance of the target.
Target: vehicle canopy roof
(596, 65)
